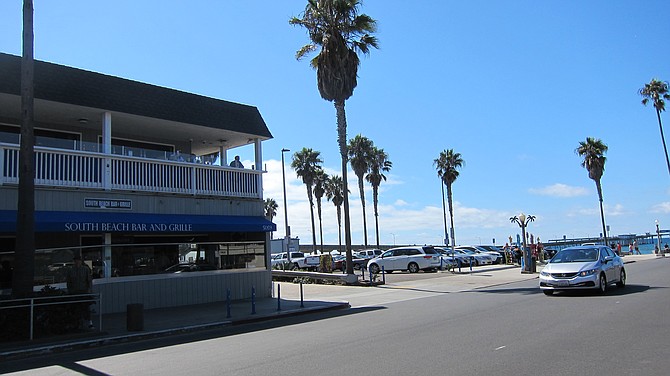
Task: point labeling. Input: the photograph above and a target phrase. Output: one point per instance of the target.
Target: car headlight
(586, 273)
(546, 274)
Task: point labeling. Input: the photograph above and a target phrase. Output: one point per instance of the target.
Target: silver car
(583, 267)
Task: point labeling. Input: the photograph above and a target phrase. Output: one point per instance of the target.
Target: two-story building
(135, 178)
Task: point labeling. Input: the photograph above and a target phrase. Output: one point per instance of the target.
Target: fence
(49, 301)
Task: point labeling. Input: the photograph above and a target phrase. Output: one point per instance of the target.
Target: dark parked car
(189, 267)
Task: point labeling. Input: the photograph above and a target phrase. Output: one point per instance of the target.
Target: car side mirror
(607, 259)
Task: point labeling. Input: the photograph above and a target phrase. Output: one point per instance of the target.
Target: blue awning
(118, 222)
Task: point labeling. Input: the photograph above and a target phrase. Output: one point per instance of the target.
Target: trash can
(135, 317)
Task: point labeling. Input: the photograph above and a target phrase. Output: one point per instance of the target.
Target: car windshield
(575, 255)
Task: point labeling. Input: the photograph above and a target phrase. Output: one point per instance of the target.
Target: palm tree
(657, 92)
(335, 194)
(270, 209)
(24, 265)
(447, 165)
(379, 163)
(320, 181)
(360, 151)
(306, 162)
(337, 28)
(593, 151)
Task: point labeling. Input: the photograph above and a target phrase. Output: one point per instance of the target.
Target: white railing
(81, 169)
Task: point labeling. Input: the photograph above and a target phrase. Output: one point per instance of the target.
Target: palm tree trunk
(602, 212)
(444, 214)
(311, 213)
(342, 141)
(375, 197)
(451, 215)
(339, 229)
(361, 189)
(665, 149)
(318, 207)
(24, 261)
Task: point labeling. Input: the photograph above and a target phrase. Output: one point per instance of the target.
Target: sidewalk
(318, 298)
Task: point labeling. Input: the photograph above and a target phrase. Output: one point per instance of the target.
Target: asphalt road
(511, 329)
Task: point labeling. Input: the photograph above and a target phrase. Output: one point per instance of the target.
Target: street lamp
(287, 233)
(522, 220)
(393, 238)
(658, 237)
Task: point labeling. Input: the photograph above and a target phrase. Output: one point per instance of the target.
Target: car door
(608, 266)
(614, 268)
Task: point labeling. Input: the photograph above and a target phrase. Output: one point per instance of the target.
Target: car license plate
(563, 283)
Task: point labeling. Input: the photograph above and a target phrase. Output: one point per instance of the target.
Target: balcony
(188, 175)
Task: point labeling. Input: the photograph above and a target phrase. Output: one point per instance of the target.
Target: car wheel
(374, 269)
(622, 279)
(476, 262)
(357, 267)
(413, 267)
(602, 284)
(548, 292)
(295, 266)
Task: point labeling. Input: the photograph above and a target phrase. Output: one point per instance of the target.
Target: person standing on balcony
(236, 162)
(79, 282)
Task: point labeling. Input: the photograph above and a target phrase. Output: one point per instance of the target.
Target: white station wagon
(411, 259)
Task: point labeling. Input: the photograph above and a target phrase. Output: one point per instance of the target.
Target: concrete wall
(159, 291)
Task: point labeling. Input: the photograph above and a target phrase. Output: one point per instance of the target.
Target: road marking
(499, 348)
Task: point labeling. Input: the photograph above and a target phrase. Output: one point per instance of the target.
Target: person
(79, 281)
(507, 252)
(236, 162)
(618, 249)
(666, 249)
(637, 249)
(630, 248)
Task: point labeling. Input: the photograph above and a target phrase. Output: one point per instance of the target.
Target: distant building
(125, 175)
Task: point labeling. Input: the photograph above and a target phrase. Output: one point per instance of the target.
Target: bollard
(278, 297)
(459, 265)
(253, 300)
(383, 275)
(363, 275)
(472, 259)
(228, 303)
(302, 303)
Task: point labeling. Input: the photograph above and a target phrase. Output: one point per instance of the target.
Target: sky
(512, 86)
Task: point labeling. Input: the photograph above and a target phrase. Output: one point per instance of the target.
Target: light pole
(522, 220)
(287, 233)
(658, 239)
(444, 214)
(393, 238)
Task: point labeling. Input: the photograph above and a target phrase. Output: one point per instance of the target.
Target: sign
(105, 203)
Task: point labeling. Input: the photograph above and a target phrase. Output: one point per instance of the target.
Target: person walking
(637, 249)
(79, 281)
(618, 249)
(630, 248)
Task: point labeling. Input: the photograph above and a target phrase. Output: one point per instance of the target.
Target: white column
(107, 255)
(107, 149)
(223, 156)
(258, 151)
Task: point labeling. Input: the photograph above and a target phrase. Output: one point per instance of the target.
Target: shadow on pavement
(69, 359)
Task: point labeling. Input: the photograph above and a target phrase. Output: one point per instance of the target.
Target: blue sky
(512, 86)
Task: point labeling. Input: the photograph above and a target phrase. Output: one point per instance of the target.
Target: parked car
(189, 267)
(369, 253)
(583, 267)
(451, 256)
(412, 259)
(479, 258)
(281, 259)
(448, 260)
(496, 257)
(494, 248)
